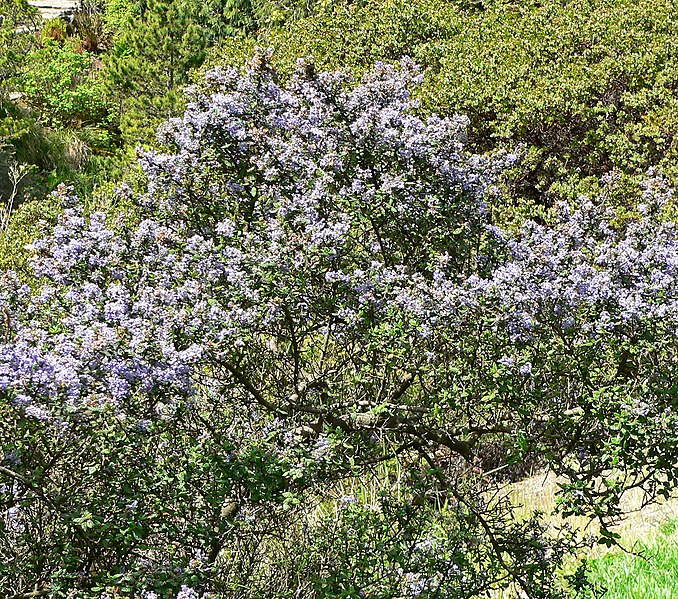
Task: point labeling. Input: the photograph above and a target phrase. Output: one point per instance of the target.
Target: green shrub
(64, 87)
(31, 220)
(582, 87)
(17, 16)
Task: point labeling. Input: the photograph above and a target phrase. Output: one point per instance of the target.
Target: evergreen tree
(151, 61)
(154, 56)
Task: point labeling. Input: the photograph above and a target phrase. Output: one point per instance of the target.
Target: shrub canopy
(316, 287)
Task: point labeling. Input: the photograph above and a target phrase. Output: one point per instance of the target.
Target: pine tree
(151, 61)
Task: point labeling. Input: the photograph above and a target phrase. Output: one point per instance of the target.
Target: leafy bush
(53, 112)
(583, 87)
(16, 15)
(13, 48)
(30, 220)
(63, 86)
(315, 286)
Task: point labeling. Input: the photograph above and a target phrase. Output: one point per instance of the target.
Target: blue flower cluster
(314, 198)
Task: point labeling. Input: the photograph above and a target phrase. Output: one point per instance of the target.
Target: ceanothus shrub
(315, 290)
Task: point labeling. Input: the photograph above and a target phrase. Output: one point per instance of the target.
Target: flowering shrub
(315, 287)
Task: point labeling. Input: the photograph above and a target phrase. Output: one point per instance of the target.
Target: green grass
(649, 570)
(651, 575)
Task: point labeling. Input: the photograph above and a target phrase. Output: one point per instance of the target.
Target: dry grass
(540, 492)
(612, 567)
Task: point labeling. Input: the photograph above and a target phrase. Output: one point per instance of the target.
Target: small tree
(314, 288)
(150, 62)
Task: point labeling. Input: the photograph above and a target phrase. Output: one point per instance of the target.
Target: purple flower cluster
(329, 209)
(321, 194)
(585, 276)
